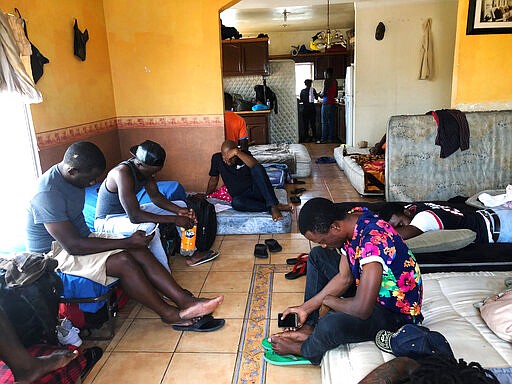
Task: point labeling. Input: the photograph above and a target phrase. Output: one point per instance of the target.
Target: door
(231, 59)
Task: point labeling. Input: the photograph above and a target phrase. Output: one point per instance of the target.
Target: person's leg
(305, 120)
(312, 122)
(141, 275)
(325, 123)
(330, 120)
(505, 216)
(24, 367)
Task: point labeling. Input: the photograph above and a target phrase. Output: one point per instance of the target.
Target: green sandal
(273, 358)
(265, 343)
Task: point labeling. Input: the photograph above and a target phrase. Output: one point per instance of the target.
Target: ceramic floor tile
(191, 280)
(148, 335)
(133, 368)
(241, 247)
(233, 306)
(287, 236)
(224, 340)
(293, 375)
(283, 300)
(281, 284)
(211, 368)
(227, 282)
(233, 263)
(280, 258)
(295, 245)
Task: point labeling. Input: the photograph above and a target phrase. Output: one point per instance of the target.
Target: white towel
(494, 201)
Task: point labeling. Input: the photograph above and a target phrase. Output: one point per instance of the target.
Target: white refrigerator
(349, 104)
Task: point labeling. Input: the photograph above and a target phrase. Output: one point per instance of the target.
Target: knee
(237, 204)
(122, 261)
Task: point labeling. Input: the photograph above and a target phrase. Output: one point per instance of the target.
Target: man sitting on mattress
(56, 226)
(362, 273)
(410, 220)
(118, 210)
(246, 180)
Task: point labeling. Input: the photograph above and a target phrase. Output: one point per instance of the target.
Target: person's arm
(212, 184)
(408, 231)
(125, 189)
(248, 159)
(395, 371)
(66, 234)
(163, 202)
(362, 304)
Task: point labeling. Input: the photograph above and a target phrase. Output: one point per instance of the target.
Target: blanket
(373, 169)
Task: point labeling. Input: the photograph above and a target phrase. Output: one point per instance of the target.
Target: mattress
(447, 308)
(295, 156)
(231, 222)
(353, 171)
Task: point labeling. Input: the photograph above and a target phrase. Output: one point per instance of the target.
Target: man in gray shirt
(56, 225)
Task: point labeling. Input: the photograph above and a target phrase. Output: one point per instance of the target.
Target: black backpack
(33, 308)
(206, 222)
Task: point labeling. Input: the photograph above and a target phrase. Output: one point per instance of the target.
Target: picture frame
(489, 17)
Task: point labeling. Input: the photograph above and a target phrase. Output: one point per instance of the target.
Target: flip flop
(295, 260)
(267, 346)
(260, 251)
(273, 245)
(207, 323)
(297, 191)
(325, 160)
(297, 271)
(273, 358)
(210, 255)
(295, 181)
(295, 199)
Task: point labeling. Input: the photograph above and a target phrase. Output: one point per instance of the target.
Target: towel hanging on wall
(80, 38)
(427, 53)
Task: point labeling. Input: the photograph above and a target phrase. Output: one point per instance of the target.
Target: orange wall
(74, 92)
(482, 68)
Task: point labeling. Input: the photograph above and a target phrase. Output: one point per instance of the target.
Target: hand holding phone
(291, 320)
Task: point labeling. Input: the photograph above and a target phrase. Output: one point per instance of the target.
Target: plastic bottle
(188, 241)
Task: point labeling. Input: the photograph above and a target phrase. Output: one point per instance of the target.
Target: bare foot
(285, 207)
(300, 335)
(201, 307)
(283, 345)
(44, 365)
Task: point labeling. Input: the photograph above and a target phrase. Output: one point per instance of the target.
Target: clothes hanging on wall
(264, 94)
(80, 39)
(427, 53)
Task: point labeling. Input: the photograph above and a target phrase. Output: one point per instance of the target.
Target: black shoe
(92, 356)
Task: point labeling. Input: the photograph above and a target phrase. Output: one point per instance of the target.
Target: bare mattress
(447, 308)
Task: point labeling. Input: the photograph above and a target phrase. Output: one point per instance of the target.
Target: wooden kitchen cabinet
(244, 57)
(337, 62)
(257, 125)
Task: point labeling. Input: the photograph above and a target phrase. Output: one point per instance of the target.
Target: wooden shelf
(307, 55)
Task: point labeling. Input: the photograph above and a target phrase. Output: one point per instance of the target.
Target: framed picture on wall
(489, 17)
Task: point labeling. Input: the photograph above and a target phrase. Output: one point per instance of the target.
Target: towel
(427, 53)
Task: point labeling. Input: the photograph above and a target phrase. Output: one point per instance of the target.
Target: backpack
(170, 238)
(33, 308)
(264, 94)
(206, 222)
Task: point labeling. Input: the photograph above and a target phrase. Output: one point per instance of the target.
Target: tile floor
(145, 350)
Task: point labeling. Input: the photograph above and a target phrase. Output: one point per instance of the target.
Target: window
(20, 169)
(303, 71)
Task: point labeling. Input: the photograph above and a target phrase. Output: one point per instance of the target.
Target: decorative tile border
(250, 368)
(85, 131)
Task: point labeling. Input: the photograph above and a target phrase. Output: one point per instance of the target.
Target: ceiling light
(328, 38)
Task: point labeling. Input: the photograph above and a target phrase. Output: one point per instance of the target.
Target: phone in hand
(290, 321)
(153, 230)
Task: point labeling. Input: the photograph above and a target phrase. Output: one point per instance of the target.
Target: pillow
(441, 241)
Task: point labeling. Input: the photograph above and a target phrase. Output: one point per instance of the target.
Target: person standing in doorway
(307, 97)
(329, 94)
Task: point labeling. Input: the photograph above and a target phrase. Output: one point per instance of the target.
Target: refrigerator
(349, 104)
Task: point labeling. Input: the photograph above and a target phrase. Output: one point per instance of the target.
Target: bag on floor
(495, 311)
(206, 222)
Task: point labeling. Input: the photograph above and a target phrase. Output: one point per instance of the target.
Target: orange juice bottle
(188, 241)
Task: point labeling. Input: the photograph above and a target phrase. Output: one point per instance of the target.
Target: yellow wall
(74, 92)
(482, 68)
(165, 56)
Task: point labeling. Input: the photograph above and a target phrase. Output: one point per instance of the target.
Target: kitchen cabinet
(257, 125)
(336, 62)
(245, 57)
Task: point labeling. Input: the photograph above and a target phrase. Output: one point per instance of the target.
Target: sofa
(415, 171)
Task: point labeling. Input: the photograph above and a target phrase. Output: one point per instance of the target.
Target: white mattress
(296, 156)
(352, 170)
(302, 160)
(447, 308)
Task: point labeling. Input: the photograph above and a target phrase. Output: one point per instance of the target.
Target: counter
(257, 125)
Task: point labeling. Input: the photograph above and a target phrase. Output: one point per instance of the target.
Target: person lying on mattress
(362, 272)
(118, 210)
(410, 220)
(56, 226)
(246, 180)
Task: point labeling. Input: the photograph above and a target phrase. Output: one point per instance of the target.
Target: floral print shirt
(375, 240)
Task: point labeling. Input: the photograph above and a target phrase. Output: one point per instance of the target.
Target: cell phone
(153, 230)
(290, 321)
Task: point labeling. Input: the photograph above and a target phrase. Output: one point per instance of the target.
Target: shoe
(210, 255)
(297, 191)
(92, 356)
(273, 245)
(296, 181)
(297, 271)
(275, 359)
(295, 199)
(260, 251)
(66, 324)
(69, 337)
(320, 142)
(207, 323)
(295, 260)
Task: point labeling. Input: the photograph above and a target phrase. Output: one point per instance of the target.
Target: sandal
(297, 271)
(273, 245)
(295, 199)
(295, 260)
(297, 191)
(260, 251)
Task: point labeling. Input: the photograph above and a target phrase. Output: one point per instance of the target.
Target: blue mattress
(277, 173)
(231, 222)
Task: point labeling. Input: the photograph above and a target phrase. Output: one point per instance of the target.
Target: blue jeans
(260, 196)
(328, 111)
(338, 328)
(505, 216)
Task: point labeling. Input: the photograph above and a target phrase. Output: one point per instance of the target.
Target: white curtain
(13, 76)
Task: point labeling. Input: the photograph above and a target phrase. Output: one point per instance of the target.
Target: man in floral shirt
(362, 271)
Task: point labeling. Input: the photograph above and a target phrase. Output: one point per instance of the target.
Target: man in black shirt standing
(307, 97)
(246, 180)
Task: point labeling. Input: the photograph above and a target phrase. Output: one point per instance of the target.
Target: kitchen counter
(253, 112)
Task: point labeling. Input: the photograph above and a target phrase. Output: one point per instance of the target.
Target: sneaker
(69, 337)
(66, 324)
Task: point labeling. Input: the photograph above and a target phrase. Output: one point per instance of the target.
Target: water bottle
(188, 241)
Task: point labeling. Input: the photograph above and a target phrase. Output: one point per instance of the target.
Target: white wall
(386, 75)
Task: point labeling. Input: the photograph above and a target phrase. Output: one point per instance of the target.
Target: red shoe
(298, 270)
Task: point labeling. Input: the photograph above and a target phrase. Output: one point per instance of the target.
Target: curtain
(13, 76)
